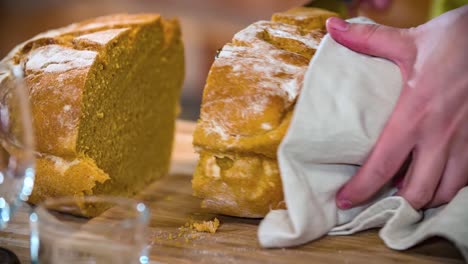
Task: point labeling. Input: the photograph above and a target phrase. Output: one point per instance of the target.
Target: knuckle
(385, 170)
(420, 102)
(371, 29)
(410, 44)
(369, 34)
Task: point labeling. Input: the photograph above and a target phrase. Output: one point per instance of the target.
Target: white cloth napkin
(346, 99)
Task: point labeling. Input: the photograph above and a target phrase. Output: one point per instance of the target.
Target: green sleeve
(441, 6)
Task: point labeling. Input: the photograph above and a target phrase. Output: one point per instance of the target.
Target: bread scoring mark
(275, 75)
(56, 58)
(102, 37)
(252, 35)
(279, 70)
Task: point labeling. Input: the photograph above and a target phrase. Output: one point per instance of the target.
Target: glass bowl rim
(41, 212)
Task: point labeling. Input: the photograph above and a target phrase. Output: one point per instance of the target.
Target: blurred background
(206, 24)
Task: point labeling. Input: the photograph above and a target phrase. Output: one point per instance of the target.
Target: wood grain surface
(172, 206)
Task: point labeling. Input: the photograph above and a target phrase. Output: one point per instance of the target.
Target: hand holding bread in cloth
(302, 128)
(345, 102)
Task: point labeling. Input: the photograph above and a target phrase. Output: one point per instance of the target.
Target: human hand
(430, 119)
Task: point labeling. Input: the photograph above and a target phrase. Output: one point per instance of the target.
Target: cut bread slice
(104, 96)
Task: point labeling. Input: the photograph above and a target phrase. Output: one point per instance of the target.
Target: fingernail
(344, 204)
(337, 24)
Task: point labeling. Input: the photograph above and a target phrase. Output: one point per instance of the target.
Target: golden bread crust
(247, 106)
(307, 18)
(227, 186)
(252, 85)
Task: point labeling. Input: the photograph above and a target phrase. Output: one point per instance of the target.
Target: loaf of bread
(103, 94)
(247, 106)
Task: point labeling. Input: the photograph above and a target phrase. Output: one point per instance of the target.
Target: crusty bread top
(255, 81)
(307, 18)
(69, 35)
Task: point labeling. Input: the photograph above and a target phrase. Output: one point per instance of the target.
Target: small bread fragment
(207, 226)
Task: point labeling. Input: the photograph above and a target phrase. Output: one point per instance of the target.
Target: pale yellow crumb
(207, 226)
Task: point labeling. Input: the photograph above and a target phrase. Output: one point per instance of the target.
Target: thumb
(390, 43)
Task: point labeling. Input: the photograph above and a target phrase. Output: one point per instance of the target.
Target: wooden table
(173, 205)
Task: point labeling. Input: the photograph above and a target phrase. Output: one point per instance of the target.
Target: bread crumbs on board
(191, 230)
(207, 226)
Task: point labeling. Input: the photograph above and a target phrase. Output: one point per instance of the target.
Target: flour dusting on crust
(251, 34)
(264, 61)
(56, 58)
(103, 37)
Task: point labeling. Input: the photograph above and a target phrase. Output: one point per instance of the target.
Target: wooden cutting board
(172, 206)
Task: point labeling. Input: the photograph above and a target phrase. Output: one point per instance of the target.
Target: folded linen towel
(344, 104)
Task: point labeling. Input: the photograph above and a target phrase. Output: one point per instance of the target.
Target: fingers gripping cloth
(344, 104)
